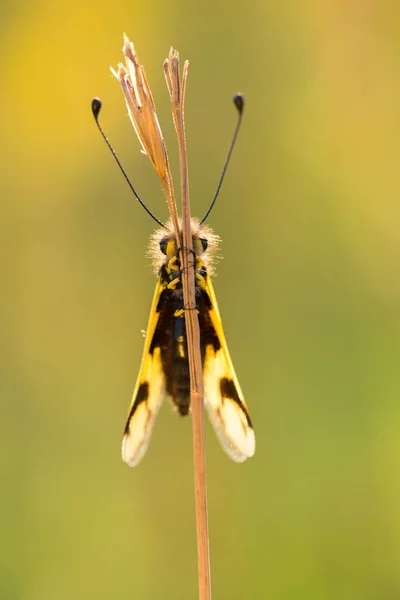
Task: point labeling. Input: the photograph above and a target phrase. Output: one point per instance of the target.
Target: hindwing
(224, 400)
(149, 391)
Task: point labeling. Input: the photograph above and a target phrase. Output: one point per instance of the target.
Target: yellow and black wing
(149, 392)
(224, 400)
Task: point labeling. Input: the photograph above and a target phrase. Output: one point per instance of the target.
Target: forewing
(223, 397)
(148, 394)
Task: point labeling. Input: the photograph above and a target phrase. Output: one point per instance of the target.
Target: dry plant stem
(177, 92)
(142, 111)
(168, 188)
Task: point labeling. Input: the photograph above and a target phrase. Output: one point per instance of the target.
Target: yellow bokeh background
(309, 290)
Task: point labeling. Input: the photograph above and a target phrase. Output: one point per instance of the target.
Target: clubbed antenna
(96, 108)
(238, 101)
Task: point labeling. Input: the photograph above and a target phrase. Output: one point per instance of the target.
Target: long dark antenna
(96, 108)
(238, 101)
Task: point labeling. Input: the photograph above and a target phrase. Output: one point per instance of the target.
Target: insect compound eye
(204, 243)
(163, 246)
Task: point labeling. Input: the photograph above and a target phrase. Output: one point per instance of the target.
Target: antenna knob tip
(238, 101)
(96, 107)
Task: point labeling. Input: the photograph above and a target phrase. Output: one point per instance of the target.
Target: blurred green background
(309, 290)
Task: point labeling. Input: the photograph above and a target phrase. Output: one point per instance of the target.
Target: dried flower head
(141, 108)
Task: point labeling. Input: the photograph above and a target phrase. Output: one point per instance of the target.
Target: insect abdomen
(180, 368)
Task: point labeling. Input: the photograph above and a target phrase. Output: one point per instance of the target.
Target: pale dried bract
(141, 108)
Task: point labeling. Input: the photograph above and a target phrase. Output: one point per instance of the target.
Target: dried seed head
(141, 108)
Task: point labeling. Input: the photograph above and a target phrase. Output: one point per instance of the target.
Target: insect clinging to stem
(164, 369)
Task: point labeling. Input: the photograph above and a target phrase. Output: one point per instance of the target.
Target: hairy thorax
(165, 254)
